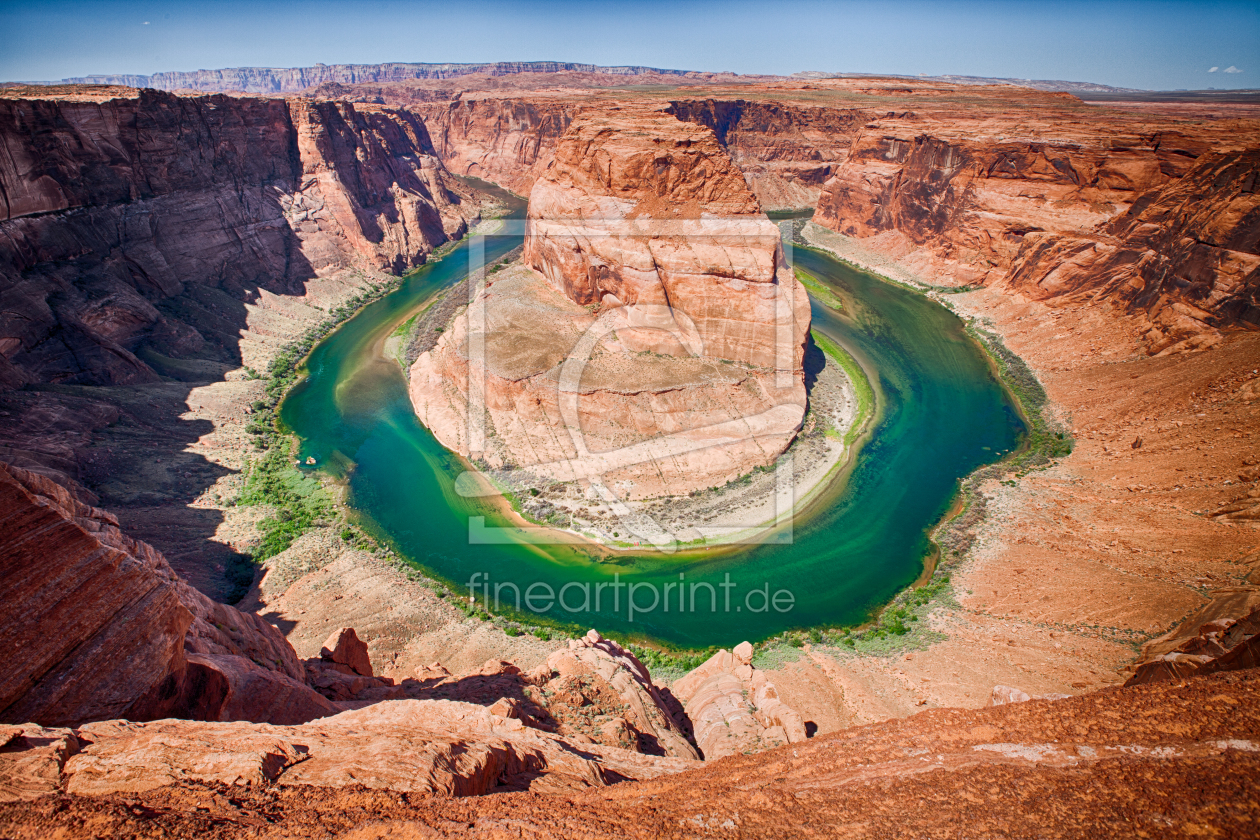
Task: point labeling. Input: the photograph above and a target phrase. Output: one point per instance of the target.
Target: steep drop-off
(1159, 220)
(126, 215)
(96, 625)
(962, 183)
(153, 244)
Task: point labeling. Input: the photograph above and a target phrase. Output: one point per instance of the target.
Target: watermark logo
(769, 520)
(629, 598)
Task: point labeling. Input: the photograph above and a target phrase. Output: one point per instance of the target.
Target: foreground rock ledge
(1167, 760)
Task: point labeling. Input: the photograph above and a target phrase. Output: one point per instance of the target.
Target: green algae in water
(941, 414)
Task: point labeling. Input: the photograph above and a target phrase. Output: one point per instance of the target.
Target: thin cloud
(1214, 69)
(1231, 69)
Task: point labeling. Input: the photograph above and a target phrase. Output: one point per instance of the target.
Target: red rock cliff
(641, 208)
(659, 292)
(129, 217)
(96, 625)
(1065, 203)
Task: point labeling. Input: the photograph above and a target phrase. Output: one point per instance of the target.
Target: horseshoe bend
(645, 248)
(539, 449)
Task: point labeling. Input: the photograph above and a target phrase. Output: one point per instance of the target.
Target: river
(942, 414)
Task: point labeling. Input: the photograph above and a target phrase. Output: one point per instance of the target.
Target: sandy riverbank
(1072, 567)
(743, 509)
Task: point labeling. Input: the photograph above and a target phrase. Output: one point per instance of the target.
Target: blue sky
(1148, 44)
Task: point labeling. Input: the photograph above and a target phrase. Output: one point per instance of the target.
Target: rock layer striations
(131, 220)
(654, 339)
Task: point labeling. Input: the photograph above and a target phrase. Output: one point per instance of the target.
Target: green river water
(942, 414)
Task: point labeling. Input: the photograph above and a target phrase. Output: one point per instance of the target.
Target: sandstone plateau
(1169, 760)
(653, 340)
(157, 247)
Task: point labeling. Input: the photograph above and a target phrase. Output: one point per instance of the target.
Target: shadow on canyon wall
(137, 233)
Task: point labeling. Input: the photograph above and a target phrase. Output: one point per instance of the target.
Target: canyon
(158, 248)
(652, 289)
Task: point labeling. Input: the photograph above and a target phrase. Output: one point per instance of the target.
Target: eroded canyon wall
(508, 141)
(964, 185)
(96, 625)
(1162, 222)
(132, 218)
(293, 79)
(655, 291)
(786, 151)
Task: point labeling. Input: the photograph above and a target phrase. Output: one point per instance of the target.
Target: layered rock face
(131, 219)
(963, 184)
(293, 79)
(435, 747)
(100, 635)
(1161, 223)
(96, 625)
(992, 771)
(786, 151)
(652, 719)
(668, 221)
(658, 340)
(734, 709)
(509, 141)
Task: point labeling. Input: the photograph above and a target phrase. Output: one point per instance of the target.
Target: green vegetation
(298, 501)
(1047, 438)
(669, 665)
(405, 327)
(861, 385)
(818, 290)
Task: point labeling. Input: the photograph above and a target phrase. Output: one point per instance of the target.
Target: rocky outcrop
(133, 221)
(96, 625)
(650, 720)
(93, 625)
(1187, 255)
(440, 746)
(507, 141)
(786, 151)
(734, 709)
(592, 692)
(346, 649)
(658, 293)
(986, 772)
(641, 209)
(1224, 644)
(1004, 694)
(1155, 221)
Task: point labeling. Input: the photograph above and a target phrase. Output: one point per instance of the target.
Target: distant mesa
(294, 79)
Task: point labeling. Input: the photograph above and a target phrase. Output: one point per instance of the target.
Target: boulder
(598, 675)
(31, 760)
(345, 648)
(231, 688)
(1004, 694)
(1222, 644)
(734, 708)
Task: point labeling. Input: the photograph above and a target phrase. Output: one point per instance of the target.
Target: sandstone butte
(157, 244)
(657, 344)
